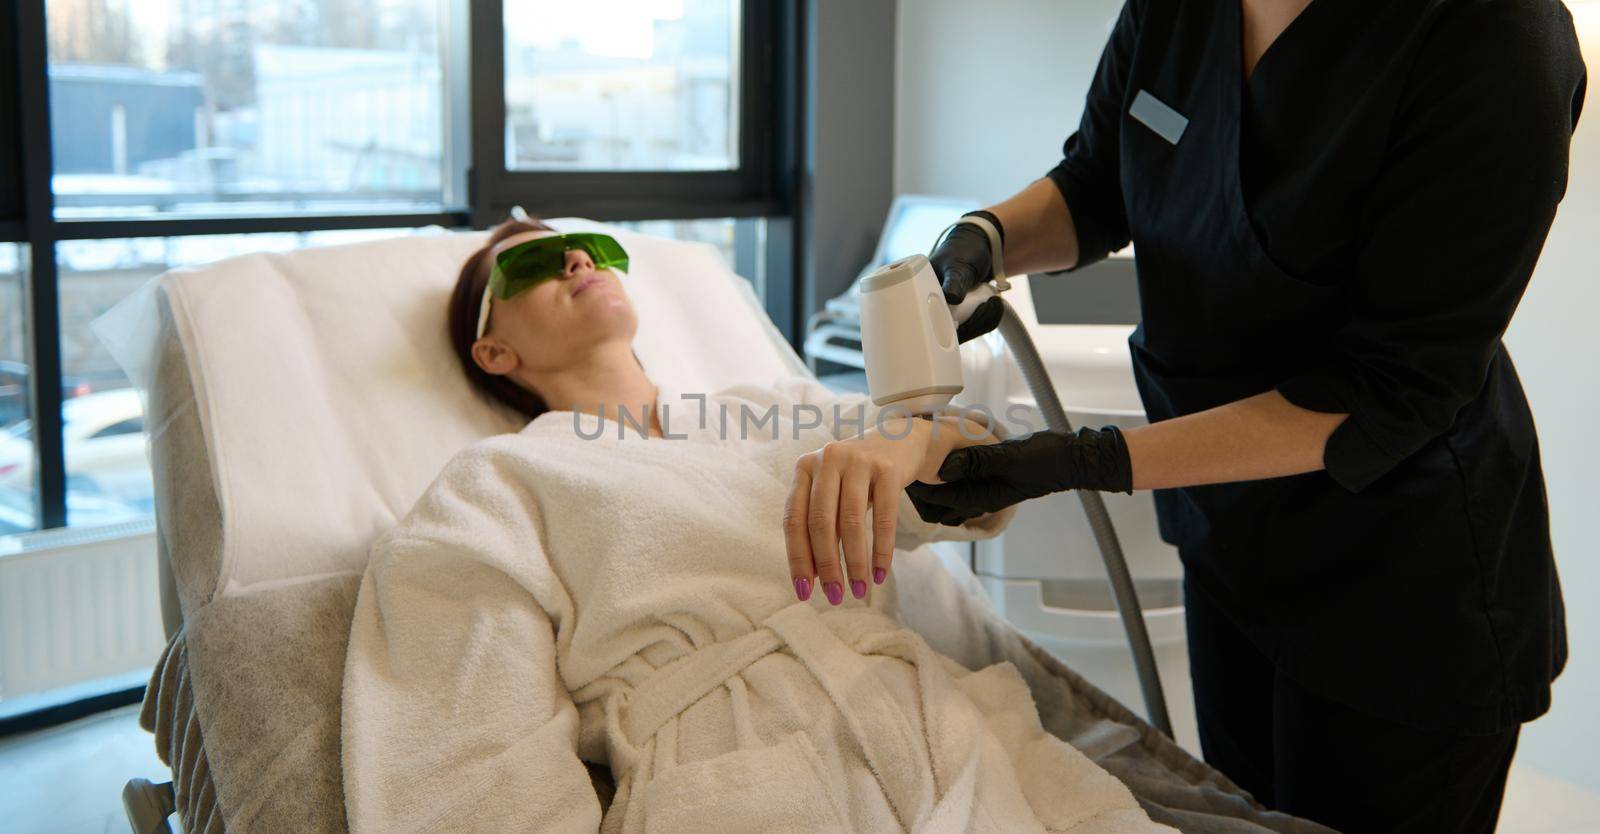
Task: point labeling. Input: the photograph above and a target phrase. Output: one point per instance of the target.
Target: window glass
(17, 494)
(221, 106)
(108, 470)
(132, 425)
(622, 85)
(717, 231)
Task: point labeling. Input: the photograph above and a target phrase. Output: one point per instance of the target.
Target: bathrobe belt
(675, 687)
(896, 748)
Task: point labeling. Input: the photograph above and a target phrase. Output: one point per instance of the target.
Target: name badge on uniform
(1169, 124)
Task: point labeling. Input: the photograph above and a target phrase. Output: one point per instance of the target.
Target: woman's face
(556, 323)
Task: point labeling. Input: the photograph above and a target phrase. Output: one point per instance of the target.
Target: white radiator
(78, 606)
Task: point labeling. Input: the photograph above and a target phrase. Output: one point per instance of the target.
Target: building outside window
(224, 106)
(617, 85)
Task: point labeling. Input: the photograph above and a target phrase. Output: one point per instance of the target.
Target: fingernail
(878, 575)
(835, 592)
(802, 589)
(858, 588)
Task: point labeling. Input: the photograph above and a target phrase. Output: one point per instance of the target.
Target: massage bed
(297, 406)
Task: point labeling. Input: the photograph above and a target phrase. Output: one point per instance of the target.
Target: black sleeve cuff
(1352, 457)
(1094, 241)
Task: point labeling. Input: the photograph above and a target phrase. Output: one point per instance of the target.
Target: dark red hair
(465, 302)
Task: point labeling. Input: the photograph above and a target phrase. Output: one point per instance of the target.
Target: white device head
(908, 338)
(908, 332)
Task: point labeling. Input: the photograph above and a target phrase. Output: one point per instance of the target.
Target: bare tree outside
(91, 32)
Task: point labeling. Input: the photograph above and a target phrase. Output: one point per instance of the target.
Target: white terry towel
(553, 600)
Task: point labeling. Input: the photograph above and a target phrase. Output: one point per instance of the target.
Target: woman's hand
(836, 485)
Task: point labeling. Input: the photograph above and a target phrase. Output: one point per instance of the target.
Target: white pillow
(330, 397)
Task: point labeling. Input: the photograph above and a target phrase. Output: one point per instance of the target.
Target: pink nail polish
(802, 589)
(858, 588)
(878, 575)
(835, 592)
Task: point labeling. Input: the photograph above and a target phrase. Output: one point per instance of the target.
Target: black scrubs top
(1353, 226)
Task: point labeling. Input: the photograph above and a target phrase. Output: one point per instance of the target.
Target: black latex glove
(962, 260)
(983, 479)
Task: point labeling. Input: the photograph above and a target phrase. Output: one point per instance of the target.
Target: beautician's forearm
(1264, 436)
(1040, 234)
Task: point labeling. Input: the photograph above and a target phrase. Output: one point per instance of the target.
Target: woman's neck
(607, 382)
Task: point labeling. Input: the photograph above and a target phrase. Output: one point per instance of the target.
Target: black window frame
(762, 194)
(10, 137)
(752, 189)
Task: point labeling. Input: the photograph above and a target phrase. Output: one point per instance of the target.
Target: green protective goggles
(530, 264)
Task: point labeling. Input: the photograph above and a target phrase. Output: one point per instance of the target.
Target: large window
(224, 106)
(141, 135)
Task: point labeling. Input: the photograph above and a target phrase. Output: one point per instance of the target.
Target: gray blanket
(245, 707)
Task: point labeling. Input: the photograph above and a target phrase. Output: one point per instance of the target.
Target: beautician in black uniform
(1331, 237)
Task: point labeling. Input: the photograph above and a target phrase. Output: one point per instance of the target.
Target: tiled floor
(68, 780)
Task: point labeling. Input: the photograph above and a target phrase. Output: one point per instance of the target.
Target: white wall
(1553, 343)
(848, 181)
(985, 94)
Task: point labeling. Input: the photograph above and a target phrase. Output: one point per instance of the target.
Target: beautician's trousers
(1302, 754)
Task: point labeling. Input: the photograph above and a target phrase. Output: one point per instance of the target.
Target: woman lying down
(564, 595)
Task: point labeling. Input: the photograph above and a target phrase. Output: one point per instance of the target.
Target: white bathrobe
(554, 599)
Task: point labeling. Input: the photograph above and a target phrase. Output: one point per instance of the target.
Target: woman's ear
(494, 356)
